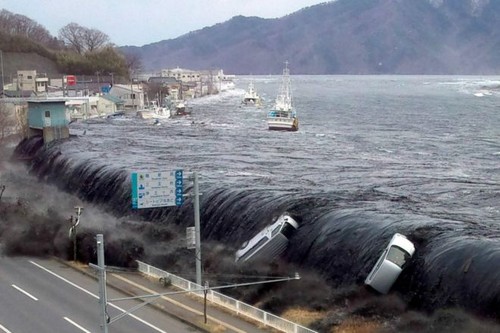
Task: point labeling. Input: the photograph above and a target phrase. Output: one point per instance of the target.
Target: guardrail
(229, 303)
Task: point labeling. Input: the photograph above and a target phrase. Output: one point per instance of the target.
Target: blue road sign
(157, 189)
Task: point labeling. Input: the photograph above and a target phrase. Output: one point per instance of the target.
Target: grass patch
(358, 325)
(302, 316)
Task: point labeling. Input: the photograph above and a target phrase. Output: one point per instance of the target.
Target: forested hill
(345, 37)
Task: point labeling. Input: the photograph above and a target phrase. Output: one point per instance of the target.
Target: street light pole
(102, 283)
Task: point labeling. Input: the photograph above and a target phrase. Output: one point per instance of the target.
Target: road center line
(4, 329)
(95, 296)
(76, 325)
(25, 292)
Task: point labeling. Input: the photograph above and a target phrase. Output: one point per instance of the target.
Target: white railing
(229, 303)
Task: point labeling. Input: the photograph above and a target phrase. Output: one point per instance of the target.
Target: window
(397, 256)
(47, 114)
(30, 77)
(275, 230)
(132, 96)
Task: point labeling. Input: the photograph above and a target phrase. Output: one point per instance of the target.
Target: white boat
(176, 102)
(227, 84)
(270, 242)
(283, 116)
(251, 96)
(181, 108)
(153, 111)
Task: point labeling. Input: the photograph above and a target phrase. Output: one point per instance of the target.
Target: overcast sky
(140, 22)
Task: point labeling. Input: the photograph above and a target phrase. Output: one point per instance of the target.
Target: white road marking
(179, 304)
(4, 329)
(97, 297)
(76, 325)
(25, 292)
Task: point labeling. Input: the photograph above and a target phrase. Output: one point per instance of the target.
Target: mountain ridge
(344, 37)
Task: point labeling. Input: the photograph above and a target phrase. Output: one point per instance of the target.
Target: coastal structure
(48, 118)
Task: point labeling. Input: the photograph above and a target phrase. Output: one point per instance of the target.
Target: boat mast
(286, 85)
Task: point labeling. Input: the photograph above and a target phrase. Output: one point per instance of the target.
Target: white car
(270, 242)
(390, 264)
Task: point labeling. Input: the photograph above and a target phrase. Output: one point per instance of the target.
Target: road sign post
(161, 189)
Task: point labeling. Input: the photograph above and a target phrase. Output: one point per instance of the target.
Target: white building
(181, 74)
(132, 95)
(30, 81)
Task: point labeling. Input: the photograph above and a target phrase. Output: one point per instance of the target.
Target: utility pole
(197, 227)
(132, 95)
(72, 230)
(1, 60)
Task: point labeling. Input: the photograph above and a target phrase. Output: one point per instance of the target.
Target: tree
(72, 36)
(94, 39)
(82, 39)
(107, 60)
(134, 63)
(20, 25)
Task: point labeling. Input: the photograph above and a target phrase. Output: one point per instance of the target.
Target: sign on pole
(157, 189)
(70, 80)
(190, 238)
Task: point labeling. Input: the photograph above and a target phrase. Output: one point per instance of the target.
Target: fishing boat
(270, 242)
(251, 96)
(176, 102)
(153, 111)
(282, 116)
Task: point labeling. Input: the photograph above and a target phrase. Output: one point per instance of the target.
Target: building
(31, 81)
(200, 83)
(49, 119)
(132, 95)
(109, 104)
(182, 75)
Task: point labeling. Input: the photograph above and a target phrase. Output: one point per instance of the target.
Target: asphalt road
(43, 295)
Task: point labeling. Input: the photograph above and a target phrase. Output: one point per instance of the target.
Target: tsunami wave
(341, 233)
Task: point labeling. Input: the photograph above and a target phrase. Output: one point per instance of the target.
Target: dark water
(374, 155)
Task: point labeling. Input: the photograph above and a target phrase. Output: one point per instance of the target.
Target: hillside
(13, 61)
(345, 37)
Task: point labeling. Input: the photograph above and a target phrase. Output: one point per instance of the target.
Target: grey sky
(140, 22)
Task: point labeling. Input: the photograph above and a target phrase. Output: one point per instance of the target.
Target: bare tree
(20, 25)
(82, 39)
(134, 63)
(72, 36)
(94, 39)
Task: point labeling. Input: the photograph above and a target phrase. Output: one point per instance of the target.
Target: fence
(229, 303)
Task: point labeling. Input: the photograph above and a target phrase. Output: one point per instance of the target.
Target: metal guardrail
(229, 303)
